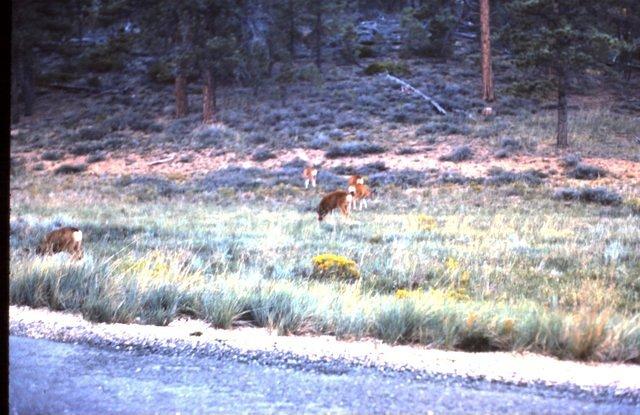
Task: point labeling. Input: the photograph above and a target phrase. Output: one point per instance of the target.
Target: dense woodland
(552, 44)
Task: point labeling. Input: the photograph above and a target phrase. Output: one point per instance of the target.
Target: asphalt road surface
(47, 377)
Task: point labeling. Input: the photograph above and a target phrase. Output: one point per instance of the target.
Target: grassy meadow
(466, 267)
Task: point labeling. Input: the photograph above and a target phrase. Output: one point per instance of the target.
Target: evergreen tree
(561, 37)
(38, 25)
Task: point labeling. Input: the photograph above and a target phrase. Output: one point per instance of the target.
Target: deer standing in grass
(309, 174)
(338, 199)
(67, 239)
(360, 192)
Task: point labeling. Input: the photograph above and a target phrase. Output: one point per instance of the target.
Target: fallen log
(421, 94)
(164, 160)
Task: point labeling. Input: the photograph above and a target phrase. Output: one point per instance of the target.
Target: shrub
(403, 151)
(94, 158)
(498, 176)
(319, 141)
(256, 138)
(587, 172)
(262, 155)
(92, 133)
(571, 160)
(393, 68)
(458, 154)
(86, 148)
(352, 149)
(52, 155)
(510, 143)
(588, 194)
(70, 168)
(453, 177)
(331, 266)
(160, 72)
(502, 153)
(404, 178)
(233, 177)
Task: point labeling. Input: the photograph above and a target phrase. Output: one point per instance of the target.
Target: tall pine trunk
(562, 140)
(182, 104)
(208, 98)
(485, 31)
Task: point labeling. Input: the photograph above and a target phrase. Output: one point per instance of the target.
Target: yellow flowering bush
(423, 222)
(335, 266)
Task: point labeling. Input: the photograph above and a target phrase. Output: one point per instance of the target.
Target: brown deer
(334, 200)
(309, 174)
(67, 239)
(355, 179)
(360, 192)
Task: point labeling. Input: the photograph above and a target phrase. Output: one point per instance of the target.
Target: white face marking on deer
(360, 181)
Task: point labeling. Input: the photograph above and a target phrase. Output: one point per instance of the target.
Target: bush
(458, 154)
(52, 155)
(599, 195)
(634, 205)
(353, 149)
(587, 172)
(319, 141)
(92, 133)
(571, 160)
(499, 176)
(509, 143)
(94, 158)
(502, 153)
(263, 155)
(404, 178)
(233, 177)
(70, 168)
(453, 177)
(331, 266)
(160, 72)
(393, 68)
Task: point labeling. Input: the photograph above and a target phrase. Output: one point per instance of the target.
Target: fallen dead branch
(164, 160)
(411, 88)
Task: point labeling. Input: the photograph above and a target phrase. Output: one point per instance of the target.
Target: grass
(458, 267)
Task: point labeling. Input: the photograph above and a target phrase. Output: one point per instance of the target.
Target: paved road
(48, 377)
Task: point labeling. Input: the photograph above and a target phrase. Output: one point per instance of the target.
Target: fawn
(360, 192)
(334, 200)
(67, 239)
(309, 174)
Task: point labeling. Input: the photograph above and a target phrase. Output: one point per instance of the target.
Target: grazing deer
(355, 179)
(309, 174)
(67, 239)
(334, 200)
(360, 192)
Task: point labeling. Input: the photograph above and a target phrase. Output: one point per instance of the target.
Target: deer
(309, 174)
(338, 199)
(360, 192)
(66, 239)
(355, 179)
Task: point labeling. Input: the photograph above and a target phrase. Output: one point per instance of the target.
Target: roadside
(329, 355)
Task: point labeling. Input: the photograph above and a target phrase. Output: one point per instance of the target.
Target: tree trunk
(28, 82)
(208, 98)
(485, 31)
(562, 133)
(182, 104)
(317, 46)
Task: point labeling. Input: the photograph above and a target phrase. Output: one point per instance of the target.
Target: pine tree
(561, 37)
(485, 40)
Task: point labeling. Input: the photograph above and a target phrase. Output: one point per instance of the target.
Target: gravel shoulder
(329, 355)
